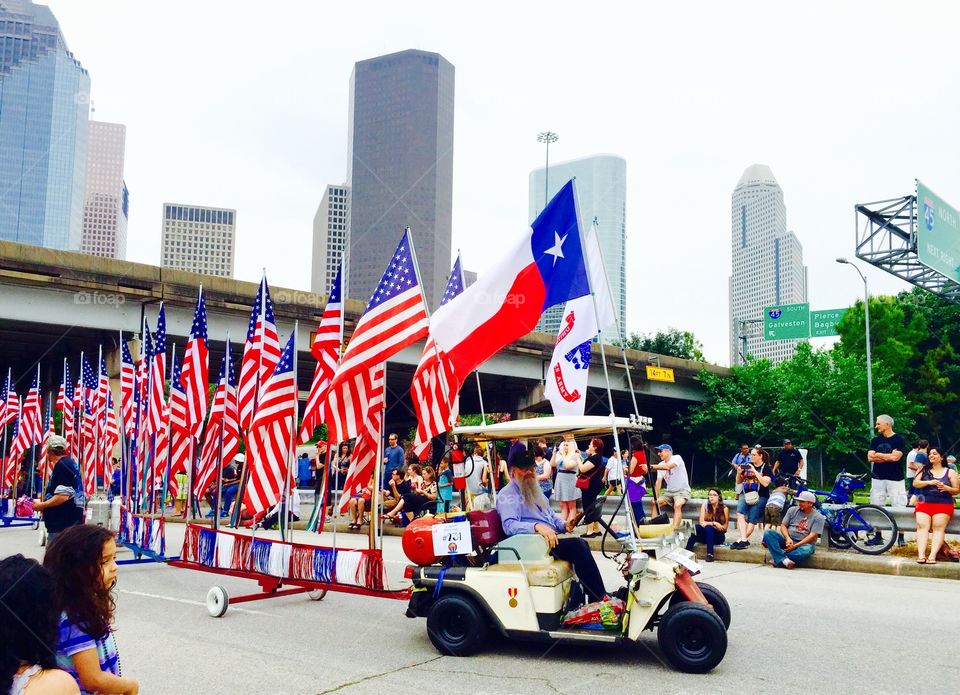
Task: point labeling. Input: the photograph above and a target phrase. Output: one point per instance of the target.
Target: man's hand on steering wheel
(547, 533)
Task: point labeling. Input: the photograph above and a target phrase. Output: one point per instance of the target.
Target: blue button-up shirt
(517, 517)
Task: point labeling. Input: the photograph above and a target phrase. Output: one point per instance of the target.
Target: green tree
(672, 342)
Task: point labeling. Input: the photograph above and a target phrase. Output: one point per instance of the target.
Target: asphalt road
(805, 630)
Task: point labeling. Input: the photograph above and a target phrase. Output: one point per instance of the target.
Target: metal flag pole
(286, 502)
(218, 498)
(3, 446)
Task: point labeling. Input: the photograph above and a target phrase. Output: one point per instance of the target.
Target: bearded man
(523, 508)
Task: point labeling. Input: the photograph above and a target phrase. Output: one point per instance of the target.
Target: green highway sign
(786, 321)
(824, 323)
(938, 234)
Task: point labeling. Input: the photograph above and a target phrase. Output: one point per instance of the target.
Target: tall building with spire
(44, 109)
(767, 265)
(400, 167)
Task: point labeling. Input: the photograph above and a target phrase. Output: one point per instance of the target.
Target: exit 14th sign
(786, 321)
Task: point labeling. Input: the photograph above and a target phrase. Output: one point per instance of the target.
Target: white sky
(244, 105)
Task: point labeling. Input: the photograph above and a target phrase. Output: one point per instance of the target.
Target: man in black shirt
(888, 452)
(789, 461)
(60, 506)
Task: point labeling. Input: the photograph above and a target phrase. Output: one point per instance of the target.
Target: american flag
(181, 442)
(89, 451)
(128, 385)
(64, 397)
(395, 318)
(434, 391)
(269, 441)
(222, 438)
(15, 450)
(260, 354)
(88, 377)
(112, 435)
(158, 365)
(11, 404)
(326, 350)
(31, 417)
(195, 374)
(364, 459)
(73, 435)
(100, 405)
(143, 399)
(42, 464)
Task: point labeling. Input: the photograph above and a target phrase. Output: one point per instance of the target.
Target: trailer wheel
(692, 637)
(217, 601)
(717, 600)
(317, 594)
(456, 625)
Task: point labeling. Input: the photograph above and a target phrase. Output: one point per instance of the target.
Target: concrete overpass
(56, 304)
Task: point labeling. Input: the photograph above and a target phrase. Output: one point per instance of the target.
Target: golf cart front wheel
(217, 601)
(456, 625)
(692, 637)
(716, 600)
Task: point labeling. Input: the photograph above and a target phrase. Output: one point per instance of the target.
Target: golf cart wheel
(456, 625)
(717, 600)
(692, 637)
(317, 594)
(217, 601)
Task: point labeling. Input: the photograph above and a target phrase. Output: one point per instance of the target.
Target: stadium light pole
(547, 137)
(866, 313)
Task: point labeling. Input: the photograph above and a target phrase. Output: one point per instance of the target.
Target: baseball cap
(665, 447)
(787, 441)
(805, 496)
(56, 443)
(239, 458)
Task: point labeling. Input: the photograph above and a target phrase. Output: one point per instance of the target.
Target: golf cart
(513, 585)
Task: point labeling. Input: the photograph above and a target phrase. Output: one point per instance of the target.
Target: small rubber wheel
(217, 601)
(716, 600)
(456, 625)
(317, 594)
(692, 637)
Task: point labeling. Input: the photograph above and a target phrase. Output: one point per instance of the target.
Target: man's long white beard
(532, 494)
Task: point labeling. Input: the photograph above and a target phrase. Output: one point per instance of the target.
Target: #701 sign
(452, 539)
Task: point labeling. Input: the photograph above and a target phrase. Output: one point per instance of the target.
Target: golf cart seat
(531, 552)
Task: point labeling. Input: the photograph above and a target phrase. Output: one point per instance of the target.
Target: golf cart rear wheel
(692, 637)
(456, 625)
(717, 600)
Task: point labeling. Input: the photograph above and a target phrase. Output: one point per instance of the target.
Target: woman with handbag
(590, 483)
(755, 478)
(566, 461)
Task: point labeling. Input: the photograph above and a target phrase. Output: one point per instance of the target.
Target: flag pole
(376, 528)
(631, 522)
(218, 498)
(3, 446)
(287, 499)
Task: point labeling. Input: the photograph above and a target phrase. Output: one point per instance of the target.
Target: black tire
(838, 540)
(456, 625)
(717, 600)
(692, 637)
(874, 517)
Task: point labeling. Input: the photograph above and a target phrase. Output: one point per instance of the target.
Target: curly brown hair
(73, 559)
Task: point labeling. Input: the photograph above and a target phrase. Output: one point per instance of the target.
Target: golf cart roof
(579, 426)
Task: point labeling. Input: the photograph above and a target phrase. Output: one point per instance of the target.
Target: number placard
(452, 539)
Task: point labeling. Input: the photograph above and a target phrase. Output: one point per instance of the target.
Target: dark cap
(787, 441)
(522, 459)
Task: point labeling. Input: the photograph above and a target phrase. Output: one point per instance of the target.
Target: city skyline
(329, 236)
(106, 205)
(687, 127)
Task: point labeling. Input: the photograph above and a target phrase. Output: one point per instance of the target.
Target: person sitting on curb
(797, 536)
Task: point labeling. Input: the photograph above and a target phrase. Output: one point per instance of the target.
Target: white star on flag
(557, 249)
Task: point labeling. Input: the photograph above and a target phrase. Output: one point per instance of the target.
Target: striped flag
(99, 405)
(128, 384)
(11, 404)
(89, 451)
(181, 441)
(31, 417)
(158, 362)
(195, 374)
(76, 422)
(433, 391)
(111, 437)
(15, 449)
(222, 438)
(42, 466)
(260, 354)
(271, 432)
(364, 459)
(326, 350)
(89, 379)
(395, 318)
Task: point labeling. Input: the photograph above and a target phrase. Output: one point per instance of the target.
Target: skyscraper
(767, 264)
(329, 236)
(106, 208)
(602, 191)
(198, 239)
(44, 97)
(400, 167)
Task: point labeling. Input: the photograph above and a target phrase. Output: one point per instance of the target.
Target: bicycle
(866, 528)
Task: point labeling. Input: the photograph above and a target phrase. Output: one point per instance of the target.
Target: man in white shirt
(613, 475)
(672, 469)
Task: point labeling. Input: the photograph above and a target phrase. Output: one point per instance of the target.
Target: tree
(673, 342)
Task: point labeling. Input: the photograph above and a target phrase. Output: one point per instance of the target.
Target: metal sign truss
(887, 238)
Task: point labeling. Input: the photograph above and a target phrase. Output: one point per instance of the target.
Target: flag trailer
(514, 586)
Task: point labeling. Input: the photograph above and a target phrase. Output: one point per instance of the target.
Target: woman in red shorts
(936, 486)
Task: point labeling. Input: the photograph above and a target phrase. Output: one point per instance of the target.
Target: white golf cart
(517, 588)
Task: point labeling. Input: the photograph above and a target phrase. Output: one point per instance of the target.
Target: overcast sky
(244, 105)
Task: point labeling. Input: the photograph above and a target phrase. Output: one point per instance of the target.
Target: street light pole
(547, 137)
(866, 313)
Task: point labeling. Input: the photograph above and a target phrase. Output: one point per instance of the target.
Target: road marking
(190, 602)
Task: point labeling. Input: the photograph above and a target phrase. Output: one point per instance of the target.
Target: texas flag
(566, 385)
(544, 267)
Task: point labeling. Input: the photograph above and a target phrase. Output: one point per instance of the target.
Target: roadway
(803, 630)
